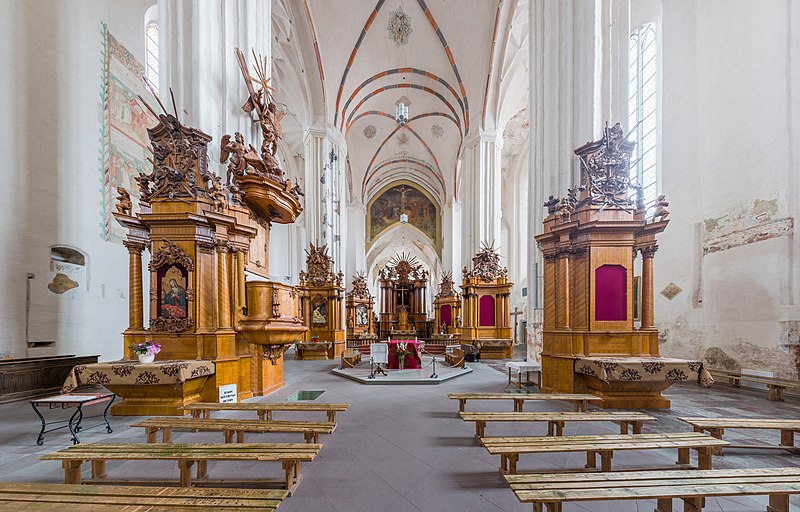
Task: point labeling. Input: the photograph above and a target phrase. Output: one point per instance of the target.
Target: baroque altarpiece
(322, 297)
(486, 298)
(359, 308)
(200, 233)
(403, 284)
(447, 308)
(590, 241)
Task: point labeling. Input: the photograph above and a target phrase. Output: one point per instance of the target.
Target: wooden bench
(509, 448)
(716, 427)
(455, 358)
(775, 385)
(265, 409)
(552, 490)
(230, 427)
(350, 358)
(579, 401)
(555, 420)
(186, 455)
(72, 498)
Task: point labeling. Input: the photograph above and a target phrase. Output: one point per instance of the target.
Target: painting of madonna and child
(387, 208)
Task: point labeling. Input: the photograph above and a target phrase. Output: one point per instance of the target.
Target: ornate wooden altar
(322, 298)
(404, 311)
(590, 241)
(201, 308)
(447, 307)
(486, 295)
(359, 307)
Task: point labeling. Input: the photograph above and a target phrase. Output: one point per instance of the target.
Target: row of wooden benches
(550, 491)
(775, 386)
(187, 456)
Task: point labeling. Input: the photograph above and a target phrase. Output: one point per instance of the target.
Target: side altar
(447, 308)
(590, 241)
(486, 295)
(200, 234)
(322, 299)
(359, 303)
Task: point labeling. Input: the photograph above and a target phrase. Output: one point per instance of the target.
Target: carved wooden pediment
(447, 286)
(319, 266)
(486, 265)
(360, 289)
(170, 254)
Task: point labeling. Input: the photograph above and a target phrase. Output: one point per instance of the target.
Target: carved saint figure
(661, 207)
(174, 303)
(232, 151)
(124, 204)
(217, 193)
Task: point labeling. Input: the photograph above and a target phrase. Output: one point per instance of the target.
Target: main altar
(403, 300)
(590, 241)
(486, 295)
(322, 299)
(215, 328)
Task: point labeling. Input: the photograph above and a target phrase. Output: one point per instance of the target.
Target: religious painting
(124, 143)
(415, 207)
(362, 316)
(319, 313)
(172, 296)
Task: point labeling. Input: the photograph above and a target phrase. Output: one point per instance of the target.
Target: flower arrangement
(315, 339)
(402, 351)
(149, 347)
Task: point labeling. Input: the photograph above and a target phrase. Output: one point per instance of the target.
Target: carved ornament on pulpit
(486, 265)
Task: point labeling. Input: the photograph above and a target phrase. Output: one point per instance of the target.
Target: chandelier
(401, 114)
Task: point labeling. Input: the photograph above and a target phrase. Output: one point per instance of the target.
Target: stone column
(481, 171)
(648, 316)
(223, 287)
(135, 305)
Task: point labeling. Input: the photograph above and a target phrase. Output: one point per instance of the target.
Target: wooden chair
(555, 420)
(550, 491)
(579, 401)
(186, 455)
(265, 409)
(510, 448)
(230, 427)
(43, 497)
(716, 427)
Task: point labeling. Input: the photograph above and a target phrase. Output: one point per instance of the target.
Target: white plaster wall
(50, 83)
(727, 142)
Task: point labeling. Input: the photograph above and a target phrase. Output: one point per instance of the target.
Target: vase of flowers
(315, 339)
(147, 351)
(402, 351)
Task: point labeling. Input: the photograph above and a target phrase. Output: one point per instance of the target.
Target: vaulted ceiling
(440, 70)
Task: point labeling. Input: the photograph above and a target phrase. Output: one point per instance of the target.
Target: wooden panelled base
(156, 400)
(627, 395)
(311, 355)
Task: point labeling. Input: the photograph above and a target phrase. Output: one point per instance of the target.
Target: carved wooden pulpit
(322, 297)
(486, 295)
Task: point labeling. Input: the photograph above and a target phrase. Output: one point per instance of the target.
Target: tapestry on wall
(124, 144)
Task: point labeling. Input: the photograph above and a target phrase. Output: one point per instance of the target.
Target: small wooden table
(520, 367)
(78, 401)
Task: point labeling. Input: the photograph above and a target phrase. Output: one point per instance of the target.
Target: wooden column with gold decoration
(135, 303)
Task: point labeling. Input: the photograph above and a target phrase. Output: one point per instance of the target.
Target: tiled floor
(403, 448)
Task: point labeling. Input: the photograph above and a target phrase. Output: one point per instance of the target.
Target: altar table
(134, 372)
(412, 359)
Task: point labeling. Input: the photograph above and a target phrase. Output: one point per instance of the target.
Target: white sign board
(379, 353)
(228, 394)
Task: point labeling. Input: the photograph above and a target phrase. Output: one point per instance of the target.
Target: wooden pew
(775, 385)
(455, 358)
(186, 455)
(552, 490)
(510, 448)
(80, 498)
(716, 427)
(555, 420)
(265, 409)
(579, 401)
(230, 427)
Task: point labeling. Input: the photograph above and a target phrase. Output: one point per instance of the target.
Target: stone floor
(403, 448)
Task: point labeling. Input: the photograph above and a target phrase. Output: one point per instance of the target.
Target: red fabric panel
(446, 315)
(610, 293)
(486, 311)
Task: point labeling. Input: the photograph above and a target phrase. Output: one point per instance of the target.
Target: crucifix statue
(515, 314)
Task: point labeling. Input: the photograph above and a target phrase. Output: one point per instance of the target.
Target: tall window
(151, 55)
(642, 110)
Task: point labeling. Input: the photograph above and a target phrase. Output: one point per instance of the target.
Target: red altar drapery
(412, 359)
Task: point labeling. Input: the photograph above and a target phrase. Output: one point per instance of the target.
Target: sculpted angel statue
(124, 204)
(232, 151)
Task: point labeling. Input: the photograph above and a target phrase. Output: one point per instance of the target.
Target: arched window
(642, 110)
(151, 54)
